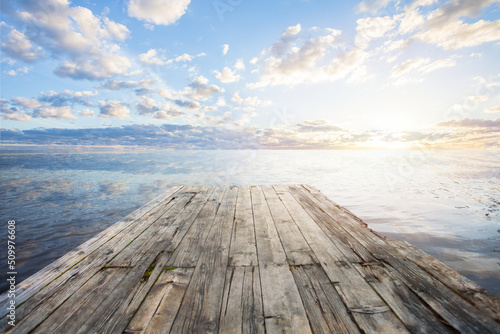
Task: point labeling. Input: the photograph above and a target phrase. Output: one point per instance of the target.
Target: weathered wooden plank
(324, 307)
(252, 308)
(412, 311)
(123, 314)
(39, 280)
(242, 307)
(148, 308)
(360, 281)
(74, 311)
(109, 316)
(468, 289)
(189, 249)
(200, 310)
(356, 293)
(173, 236)
(231, 319)
(269, 246)
(49, 298)
(243, 251)
(349, 246)
(115, 297)
(161, 306)
(283, 308)
(133, 252)
(455, 310)
(296, 248)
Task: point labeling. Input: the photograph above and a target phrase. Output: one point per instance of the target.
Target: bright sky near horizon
(251, 74)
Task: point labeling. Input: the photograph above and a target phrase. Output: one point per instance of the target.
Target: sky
(240, 74)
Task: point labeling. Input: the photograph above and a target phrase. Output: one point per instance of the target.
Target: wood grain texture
(45, 301)
(324, 307)
(249, 259)
(172, 285)
(356, 293)
(45, 276)
(451, 307)
(296, 247)
(200, 311)
(242, 306)
(243, 250)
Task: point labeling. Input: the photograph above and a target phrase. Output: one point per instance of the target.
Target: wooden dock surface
(240, 259)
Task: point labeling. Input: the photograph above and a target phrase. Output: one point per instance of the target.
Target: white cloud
(101, 67)
(200, 89)
(492, 110)
(298, 64)
(412, 69)
(370, 28)
(445, 27)
(147, 106)
(63, 112)
(157, 57)
(184, 57)
(221, 102)
(117, 85)
(409, 66)
(113, 109)
(227, 75)
(160, 12)
(225, 49)
(456, 35)
(252, 101)
(292, 31)
(7, 60)
(16, 116)
(27, 103)
(166, 93)
(66, 97)
(73, 31)
(86, 113)
(287, 37)
(18, 71)
(85, 93)
(54, 105)
(235, 97)
(371, 6)
(193, 105)
(411, 19)
(19, 46)
(12, 113)
(317, 126)
(168, 113)
(481, 98)
(392, 49)
(239, 65)
(152, 57)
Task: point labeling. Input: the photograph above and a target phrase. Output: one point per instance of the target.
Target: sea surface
(445, 202)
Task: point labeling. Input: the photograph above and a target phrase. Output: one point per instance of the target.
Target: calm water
(445, 202)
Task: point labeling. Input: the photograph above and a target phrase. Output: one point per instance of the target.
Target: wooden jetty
(238, 259)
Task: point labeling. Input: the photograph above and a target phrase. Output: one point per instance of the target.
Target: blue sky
(251, 74)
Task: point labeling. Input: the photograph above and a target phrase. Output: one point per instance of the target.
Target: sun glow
(386, 145)
(393, 123)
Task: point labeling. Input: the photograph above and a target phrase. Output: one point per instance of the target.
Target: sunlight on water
(445, 202)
